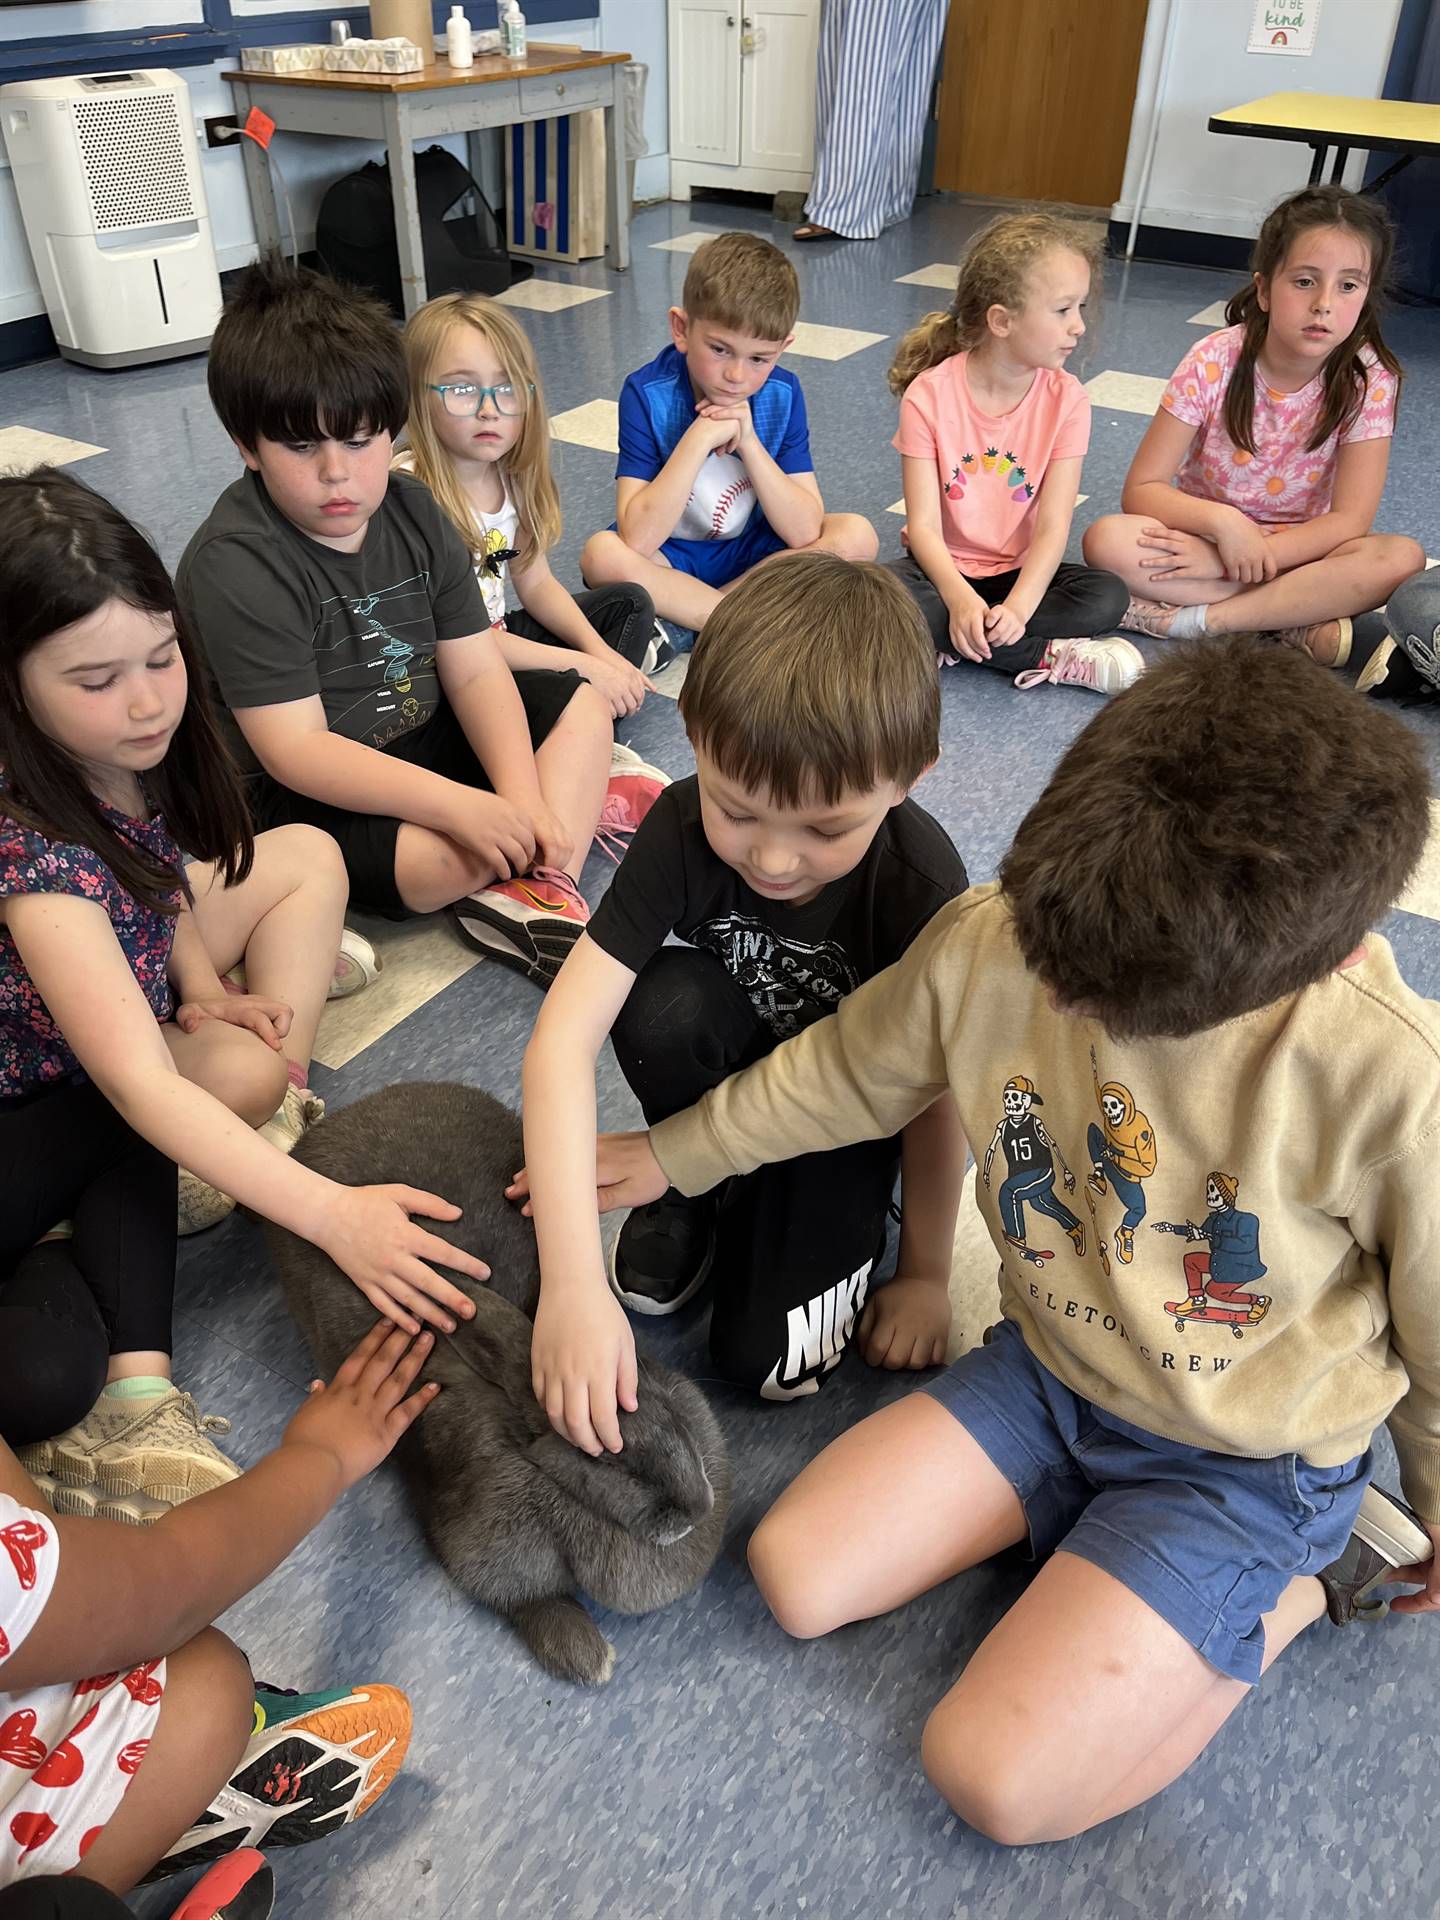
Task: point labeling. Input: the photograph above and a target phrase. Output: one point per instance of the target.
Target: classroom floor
(726, 1773)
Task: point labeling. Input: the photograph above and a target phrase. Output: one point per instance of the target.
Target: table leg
(258, 184)
(617, 199)
(1318, 150)
(407, 206)
(1342, 154)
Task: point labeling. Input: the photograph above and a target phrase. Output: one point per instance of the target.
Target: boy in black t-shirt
(341, 621)
(795, 866)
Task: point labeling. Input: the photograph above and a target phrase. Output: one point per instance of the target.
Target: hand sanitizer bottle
(459, 41)
(512, 31)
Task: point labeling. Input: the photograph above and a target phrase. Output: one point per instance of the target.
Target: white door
(777, 90)
(705, 81)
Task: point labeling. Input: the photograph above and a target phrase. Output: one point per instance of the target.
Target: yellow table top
(1336, 117)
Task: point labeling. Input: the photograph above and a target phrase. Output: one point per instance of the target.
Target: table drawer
(564, 92)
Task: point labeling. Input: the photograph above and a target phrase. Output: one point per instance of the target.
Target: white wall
(1225, 183)
(309, 164)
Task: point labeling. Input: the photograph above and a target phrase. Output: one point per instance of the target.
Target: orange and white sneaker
(634, 788)
(529, 924)
(315, 1762)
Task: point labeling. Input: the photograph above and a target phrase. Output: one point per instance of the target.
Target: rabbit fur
(519, 1518)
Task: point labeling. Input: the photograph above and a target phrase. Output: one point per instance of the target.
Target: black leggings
(622, 615)
(1078, 603)
(54, 1896)
(795, 1242)
(66, 1306)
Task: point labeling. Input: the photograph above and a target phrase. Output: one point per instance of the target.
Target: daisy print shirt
(1285, 482)
(33, 1051)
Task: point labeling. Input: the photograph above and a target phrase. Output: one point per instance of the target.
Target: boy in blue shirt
(715, 473)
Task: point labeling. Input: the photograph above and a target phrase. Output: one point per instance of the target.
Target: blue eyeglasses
(464, 399)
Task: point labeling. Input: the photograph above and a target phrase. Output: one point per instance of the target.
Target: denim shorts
(1208, 1540)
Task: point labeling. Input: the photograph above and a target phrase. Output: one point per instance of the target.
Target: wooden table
(1325, 120)
(400, 108)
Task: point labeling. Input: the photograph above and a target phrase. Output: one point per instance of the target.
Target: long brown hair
(64, 552)
(1345, 377)
(995, 272)
(525, 470)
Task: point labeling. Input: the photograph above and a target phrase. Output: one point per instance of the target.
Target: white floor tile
(422, 956)
(899, 507)
(24, 448)
(596, 424)
(670, 682)
(941, 274)
(830, 343)
(974, 1277)
(1211, 316)
(686, 242)
(1423, 893)
(548, 296)
(1126, 392)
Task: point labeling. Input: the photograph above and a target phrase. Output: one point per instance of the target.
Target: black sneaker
(1387, 1536)
(658, 653)
(663, 1253)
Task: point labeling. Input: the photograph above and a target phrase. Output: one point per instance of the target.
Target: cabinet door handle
(729, 19)
(746, 21)
(560, 86)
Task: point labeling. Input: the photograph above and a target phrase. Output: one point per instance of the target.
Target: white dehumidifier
(108, 178)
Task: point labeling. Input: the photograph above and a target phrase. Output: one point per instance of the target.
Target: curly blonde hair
(995, 272)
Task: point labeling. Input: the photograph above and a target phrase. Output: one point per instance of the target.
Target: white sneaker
(131, 1460)
(1104, 666)
(356, 965)
(297, 1112)
(200, 1205)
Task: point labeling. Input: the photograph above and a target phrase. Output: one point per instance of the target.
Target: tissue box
(374, 56)
(299, 59)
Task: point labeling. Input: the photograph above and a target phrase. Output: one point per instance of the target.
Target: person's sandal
(809, 231)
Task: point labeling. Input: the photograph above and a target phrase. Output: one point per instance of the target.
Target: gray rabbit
(517, 1516)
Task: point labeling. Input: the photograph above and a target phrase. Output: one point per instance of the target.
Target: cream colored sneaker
(298, 1111)
(132, 1460)
(356, 965)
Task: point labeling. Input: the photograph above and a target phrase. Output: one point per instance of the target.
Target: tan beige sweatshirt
(1271, 1285)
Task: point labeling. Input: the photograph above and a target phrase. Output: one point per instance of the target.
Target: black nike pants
(795, 1242)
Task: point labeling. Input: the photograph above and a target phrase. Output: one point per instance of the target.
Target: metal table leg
(617, 199)
(258, 184)
(407, 205)
(1318, 150)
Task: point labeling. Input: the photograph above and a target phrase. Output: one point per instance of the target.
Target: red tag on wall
(259, 126)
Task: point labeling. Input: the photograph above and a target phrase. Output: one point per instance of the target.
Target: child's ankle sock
(297, 1075)
(139, 1386)
(1188, 623)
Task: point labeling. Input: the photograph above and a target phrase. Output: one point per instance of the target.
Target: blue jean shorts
(1209, 1541)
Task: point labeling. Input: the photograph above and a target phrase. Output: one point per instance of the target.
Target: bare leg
(677, 596)
(574, 764)
(432, 870)
(850, 535)
(1356, 576)
(1081, 1703)
(900, 1503)
(204, 1723)
(1112, 542)
(284, 922)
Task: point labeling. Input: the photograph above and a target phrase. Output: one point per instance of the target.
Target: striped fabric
(873, 78)
(541, 181)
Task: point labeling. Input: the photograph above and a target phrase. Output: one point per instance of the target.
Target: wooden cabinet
(742, 94)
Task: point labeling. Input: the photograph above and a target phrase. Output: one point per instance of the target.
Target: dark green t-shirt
(280, 617)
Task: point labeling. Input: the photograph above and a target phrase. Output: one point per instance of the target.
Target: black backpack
(355, 232)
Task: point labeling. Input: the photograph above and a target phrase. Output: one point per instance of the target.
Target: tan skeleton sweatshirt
(1270, 1285)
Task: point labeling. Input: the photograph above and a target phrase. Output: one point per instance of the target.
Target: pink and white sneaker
(1104, 666)
(529, 924)
(634, 788)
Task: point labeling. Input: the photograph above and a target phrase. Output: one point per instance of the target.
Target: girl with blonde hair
(479, 438)
(993, 429)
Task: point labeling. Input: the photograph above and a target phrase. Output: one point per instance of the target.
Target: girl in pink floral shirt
(1249, 503)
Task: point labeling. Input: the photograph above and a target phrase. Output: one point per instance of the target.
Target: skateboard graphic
(1236, 1318)
(1037, 1256)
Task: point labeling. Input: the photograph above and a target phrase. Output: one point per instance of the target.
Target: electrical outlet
(222, 131)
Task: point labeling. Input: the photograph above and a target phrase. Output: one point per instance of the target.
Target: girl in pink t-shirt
(1249, 502)
(992, 433)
